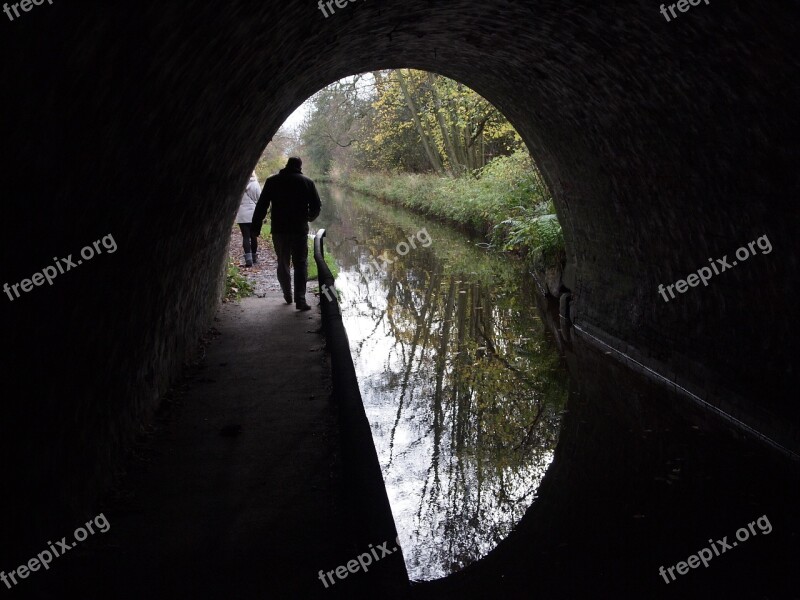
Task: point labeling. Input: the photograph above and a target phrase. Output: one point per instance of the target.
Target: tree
(419, 114)
(280, 147)
(333, 123)
(403, 121)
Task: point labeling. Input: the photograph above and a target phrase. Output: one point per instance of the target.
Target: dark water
(463, 389)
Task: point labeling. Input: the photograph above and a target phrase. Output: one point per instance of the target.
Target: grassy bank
(508, 204)
(237, 286)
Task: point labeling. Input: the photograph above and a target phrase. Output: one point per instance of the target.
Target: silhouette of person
(294, 201)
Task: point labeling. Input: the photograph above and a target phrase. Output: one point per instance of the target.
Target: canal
(462, 384)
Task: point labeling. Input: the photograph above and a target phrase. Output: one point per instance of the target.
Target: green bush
(236, 285)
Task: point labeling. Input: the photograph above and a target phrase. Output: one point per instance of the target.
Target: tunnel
(666, 144)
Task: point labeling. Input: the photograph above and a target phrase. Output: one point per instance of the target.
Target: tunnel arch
(597, 175)
(664, 143)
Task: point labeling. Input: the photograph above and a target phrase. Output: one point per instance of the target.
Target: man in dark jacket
(295, 202)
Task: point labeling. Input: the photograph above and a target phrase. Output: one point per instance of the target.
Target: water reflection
(463, 390)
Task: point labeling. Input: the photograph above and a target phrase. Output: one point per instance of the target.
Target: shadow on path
(239, 494)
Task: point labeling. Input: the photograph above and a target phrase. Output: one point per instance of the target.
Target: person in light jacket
(245, 219)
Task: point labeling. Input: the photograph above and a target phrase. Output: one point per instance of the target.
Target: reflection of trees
(422, 325)
(474, 391)
(493, 402)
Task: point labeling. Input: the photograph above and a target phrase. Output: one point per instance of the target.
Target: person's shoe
(288, 297)
(255, 258)
(302, 305)
(248, 260)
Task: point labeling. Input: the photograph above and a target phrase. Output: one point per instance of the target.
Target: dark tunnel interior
(665, 144)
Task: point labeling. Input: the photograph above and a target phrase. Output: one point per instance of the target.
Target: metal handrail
(327, 284)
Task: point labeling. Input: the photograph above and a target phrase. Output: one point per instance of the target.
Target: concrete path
(238, 495)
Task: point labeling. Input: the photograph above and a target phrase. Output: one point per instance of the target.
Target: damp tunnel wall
(664, 144)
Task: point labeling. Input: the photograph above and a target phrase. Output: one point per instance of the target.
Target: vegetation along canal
(463, 388)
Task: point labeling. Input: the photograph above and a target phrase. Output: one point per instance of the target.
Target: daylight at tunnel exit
(400, 299)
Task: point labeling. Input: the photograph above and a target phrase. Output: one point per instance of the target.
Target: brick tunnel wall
(665, 143)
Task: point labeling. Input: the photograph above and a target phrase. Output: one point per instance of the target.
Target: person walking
(295, 202)
(245, 219)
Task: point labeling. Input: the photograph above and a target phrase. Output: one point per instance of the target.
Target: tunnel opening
(409, 130)
(637, 124)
